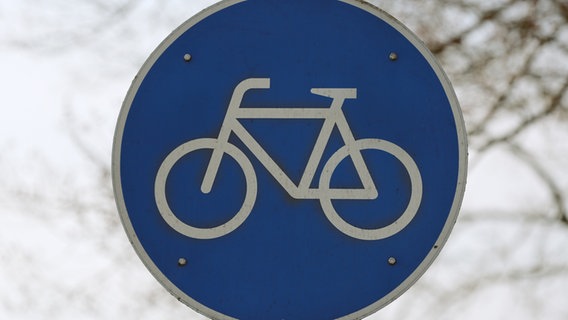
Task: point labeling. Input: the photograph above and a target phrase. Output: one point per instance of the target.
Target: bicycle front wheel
(196, 232)
(384, 231)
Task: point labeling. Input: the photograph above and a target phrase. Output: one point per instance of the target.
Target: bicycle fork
(226, 128)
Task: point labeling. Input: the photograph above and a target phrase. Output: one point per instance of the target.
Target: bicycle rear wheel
(385, 231)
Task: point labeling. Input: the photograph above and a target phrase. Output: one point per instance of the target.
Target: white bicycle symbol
(332, 117)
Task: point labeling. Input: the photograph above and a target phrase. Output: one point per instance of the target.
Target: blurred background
(65, 67)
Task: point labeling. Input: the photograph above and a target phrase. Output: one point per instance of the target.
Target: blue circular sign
(289, 160)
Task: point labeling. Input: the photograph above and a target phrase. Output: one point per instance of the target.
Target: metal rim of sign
(402, 287)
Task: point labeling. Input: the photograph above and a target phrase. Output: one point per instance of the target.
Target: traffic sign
(289, 160)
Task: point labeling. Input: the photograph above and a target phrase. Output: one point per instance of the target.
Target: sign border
(403, 286)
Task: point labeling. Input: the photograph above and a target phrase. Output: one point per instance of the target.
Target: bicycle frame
(332, 116)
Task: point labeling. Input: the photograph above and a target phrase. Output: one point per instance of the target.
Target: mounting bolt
(392, 261)
(393, 56)
(186, 57)
(182, 262)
